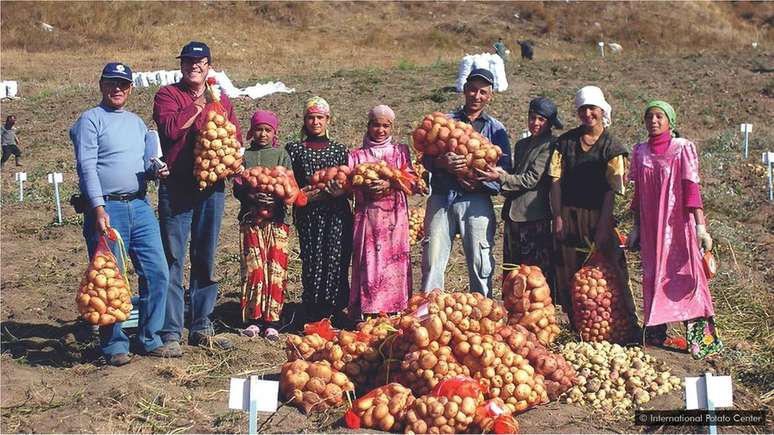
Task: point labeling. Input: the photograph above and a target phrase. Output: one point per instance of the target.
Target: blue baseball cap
(483, 74)
(116, 70)
(196, 49)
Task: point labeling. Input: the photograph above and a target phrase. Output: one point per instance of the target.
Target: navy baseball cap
(116, 70)
(195, 49)
(483, 74)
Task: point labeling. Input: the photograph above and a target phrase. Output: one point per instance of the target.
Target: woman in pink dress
(670, 229)
(381, 265)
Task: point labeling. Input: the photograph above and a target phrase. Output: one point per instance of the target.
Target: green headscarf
(667, 109)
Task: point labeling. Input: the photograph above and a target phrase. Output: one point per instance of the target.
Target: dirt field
(52, 378)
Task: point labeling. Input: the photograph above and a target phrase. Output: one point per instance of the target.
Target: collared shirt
(444, 183)
(110, 153)
(173, 106)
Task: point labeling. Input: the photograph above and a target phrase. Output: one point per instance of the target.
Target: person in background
(463, 206)
(324, 226)
(587, 170)
(381, 261)
(10, 141)
(114, 164)
(501, 50)
(184, 210)
(527, 212)
(527, 49)
(263, 240)
(670, 229)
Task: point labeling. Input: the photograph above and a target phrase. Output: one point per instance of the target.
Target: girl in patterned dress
(669, 228)
(324, 226)
(263, 240)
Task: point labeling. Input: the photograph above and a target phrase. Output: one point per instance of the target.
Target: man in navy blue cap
(185, 212)
(461, 206)
(114, 162)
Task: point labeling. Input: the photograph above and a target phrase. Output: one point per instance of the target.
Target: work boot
(167, 350)
(202, 339)
(119, 359)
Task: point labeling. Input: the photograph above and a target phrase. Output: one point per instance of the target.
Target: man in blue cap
(462, 206)
(185, 212)
(114, 162)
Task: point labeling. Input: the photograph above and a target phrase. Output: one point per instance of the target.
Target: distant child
(263, 241)
(10, 141)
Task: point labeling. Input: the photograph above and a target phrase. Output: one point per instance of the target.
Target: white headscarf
(593, 96)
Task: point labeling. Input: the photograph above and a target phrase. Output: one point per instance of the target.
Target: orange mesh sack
(104, 296)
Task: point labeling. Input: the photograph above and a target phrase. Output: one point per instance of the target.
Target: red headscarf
(264, 117)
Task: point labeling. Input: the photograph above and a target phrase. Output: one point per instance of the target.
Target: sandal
(251, 331)
(271, 334)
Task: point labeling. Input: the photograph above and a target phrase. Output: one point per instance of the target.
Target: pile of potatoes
(437, 134)
(598, 311)
(313, 386)
(416, 225)
(341, 174)
(527, 298)
(217, 153)
(104, 297)
(423, 369)
(493, 416)
(616, 379)
(309, 347)
(383, 408)
(462, 312)
(353, 355)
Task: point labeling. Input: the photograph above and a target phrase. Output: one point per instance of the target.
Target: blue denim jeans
(136, 223)
(183, 213)
(472, 216)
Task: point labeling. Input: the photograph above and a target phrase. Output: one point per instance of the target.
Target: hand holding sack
(277, 181)
(527, 298)
(217, 153)
(438, 134)
(104, 296)
(366, 174)
(598, 311)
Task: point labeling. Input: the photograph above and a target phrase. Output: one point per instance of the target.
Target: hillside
(356, 55)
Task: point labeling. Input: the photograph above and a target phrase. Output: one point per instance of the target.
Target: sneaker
(119, 359)
(171, 349)
(271, 334)
(209, 341)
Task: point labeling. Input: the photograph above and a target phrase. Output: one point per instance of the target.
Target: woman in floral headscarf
(381, 264)
(324, 226)
(587, 170)
(263, 240)
(669, 227)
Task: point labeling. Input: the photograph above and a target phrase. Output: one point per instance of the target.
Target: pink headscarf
(264, 117)
(380, 111)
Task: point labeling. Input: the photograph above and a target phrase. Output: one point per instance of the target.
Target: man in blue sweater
(114, 164)
(457, 205)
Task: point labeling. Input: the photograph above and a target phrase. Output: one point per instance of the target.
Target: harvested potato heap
(217, 153)
(492, 416)
(615, 378)
(383, 408)
(314, 386)
(416, 225)
(506, 374)
(445, 415)
(558, 374)
(423, 369)
(339, 173)
(308, 347)
(365, 174)
(598, 311)
(437, 134)
(104, 296)
(278, 181)
(353, 354)
(527, 298)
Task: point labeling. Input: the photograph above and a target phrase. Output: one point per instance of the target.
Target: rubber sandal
(271, 334)
(251, 331)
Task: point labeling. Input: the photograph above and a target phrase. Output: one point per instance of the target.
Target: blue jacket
(444, 183)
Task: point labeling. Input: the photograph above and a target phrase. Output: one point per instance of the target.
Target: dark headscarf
(546, 108)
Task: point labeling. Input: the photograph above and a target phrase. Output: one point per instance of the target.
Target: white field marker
(21, 177)
(56, 178)
(746, 129)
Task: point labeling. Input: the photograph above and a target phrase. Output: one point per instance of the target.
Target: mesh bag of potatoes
(599, 312)
(339, 173)
(308, 347)
(217, 152)
(505, 374)
(352, 354)
(104, 296)
(383, 408)
(450, 408)
(527, 298)
(314, 386)
(365, 174)
(559, 376)
(416, 225)
(422, 370)
(437, 134)
(492, 416)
